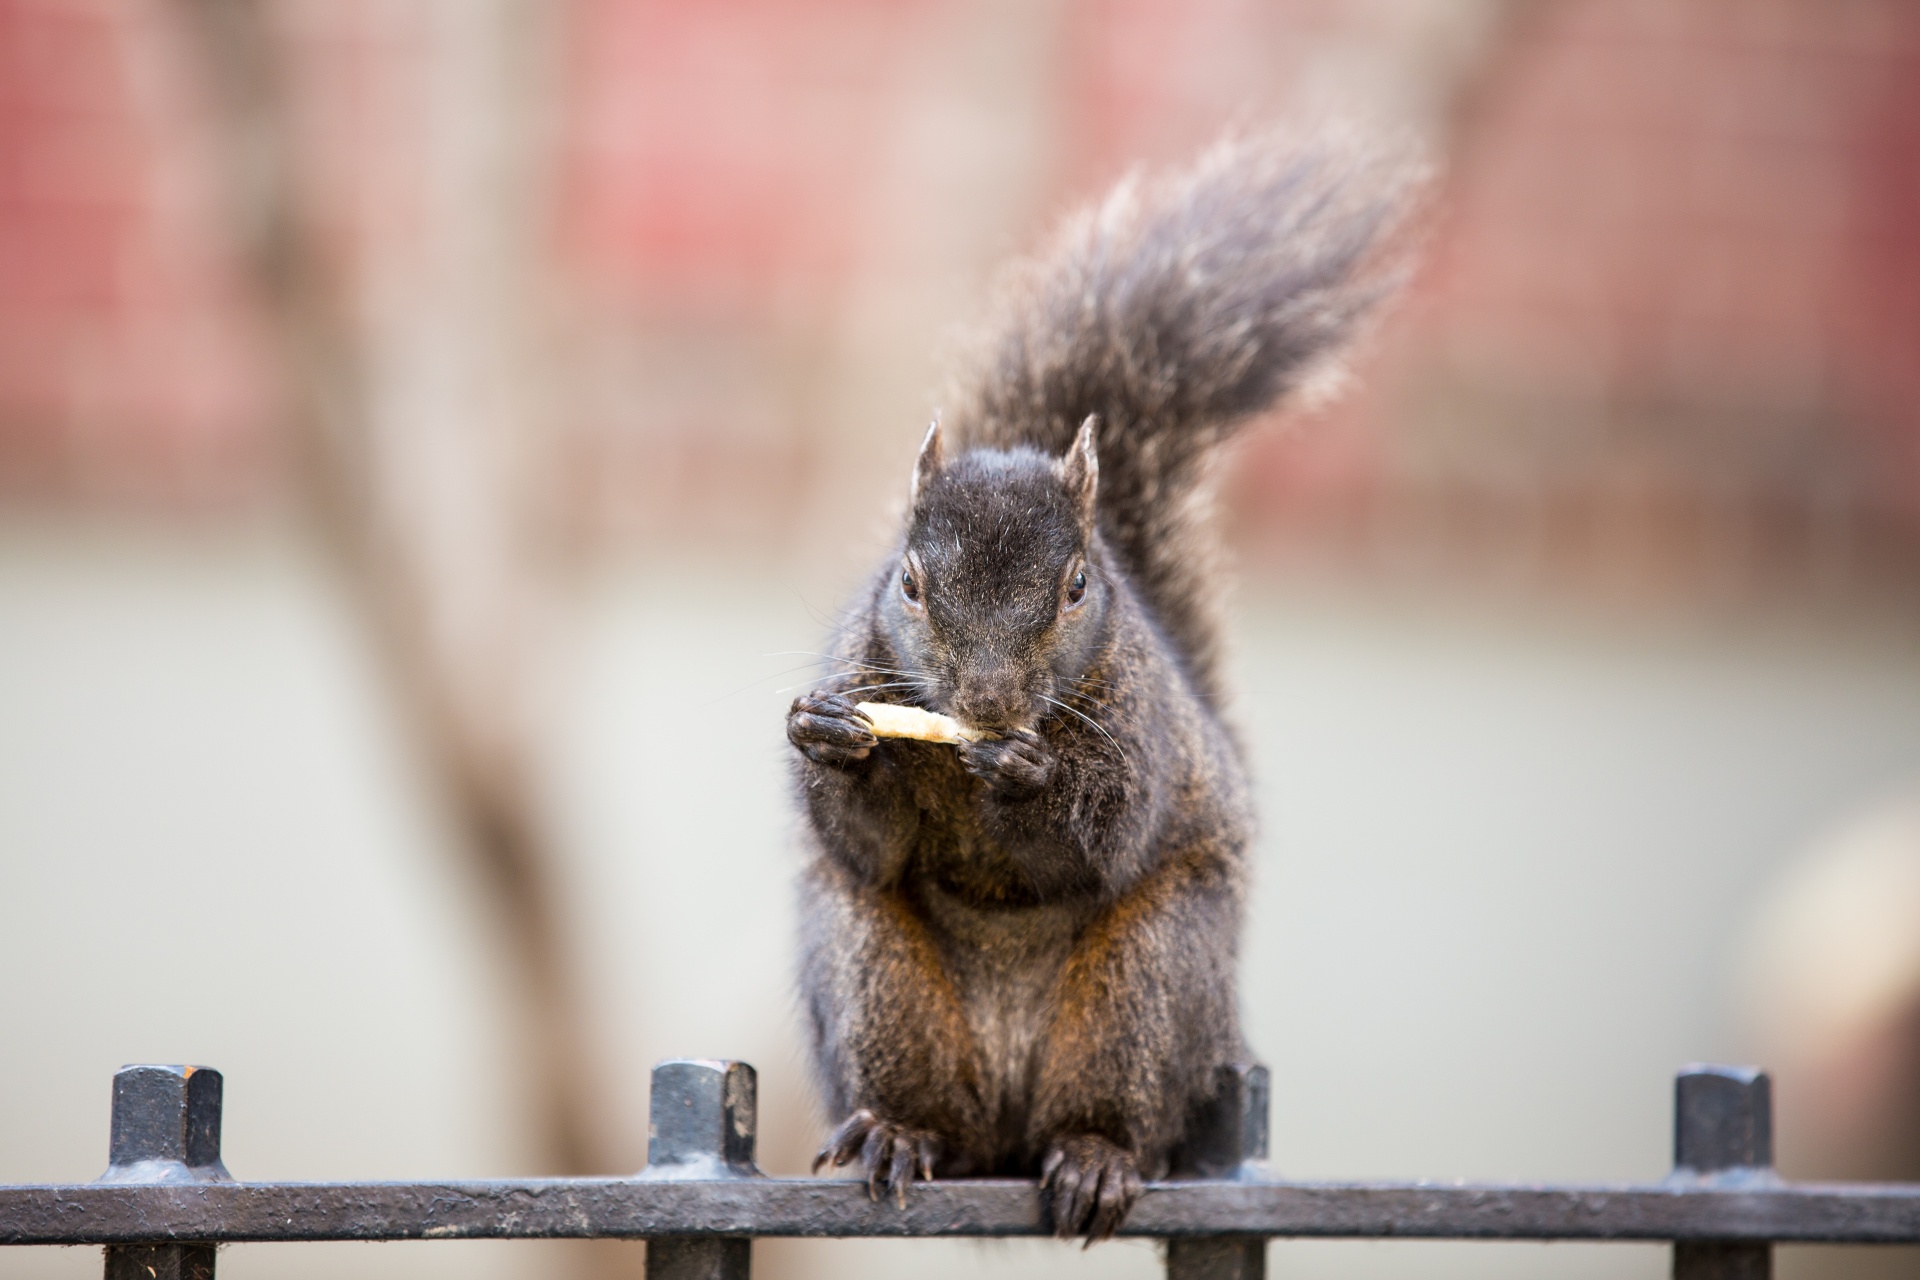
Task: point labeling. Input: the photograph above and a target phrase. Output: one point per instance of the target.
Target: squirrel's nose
(990, 699)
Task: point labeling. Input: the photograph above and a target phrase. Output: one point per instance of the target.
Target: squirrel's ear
(926, 466)
(1080, 469)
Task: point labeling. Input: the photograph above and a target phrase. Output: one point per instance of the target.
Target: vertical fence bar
(1722, 1128)
(702, 1125)
(166, 1128)
(1228, 1140)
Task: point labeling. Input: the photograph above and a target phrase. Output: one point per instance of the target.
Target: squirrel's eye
(908, 587)
(1077, 589)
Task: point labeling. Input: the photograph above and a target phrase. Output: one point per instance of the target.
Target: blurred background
(434, 433)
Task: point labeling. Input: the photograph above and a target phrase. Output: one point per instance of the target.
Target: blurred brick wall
(769, 215)
(129, 366)
(718, 156)
(1670, 314)
(1668, 322)
(720, 173)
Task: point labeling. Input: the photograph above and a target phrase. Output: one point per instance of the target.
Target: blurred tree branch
(410, 361)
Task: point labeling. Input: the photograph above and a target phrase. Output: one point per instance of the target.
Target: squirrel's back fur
(1175, 310)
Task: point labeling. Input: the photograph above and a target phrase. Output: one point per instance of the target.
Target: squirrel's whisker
(1102, 729)
(751, 684)
(851, 662)
(1118, 713)
(862, 688)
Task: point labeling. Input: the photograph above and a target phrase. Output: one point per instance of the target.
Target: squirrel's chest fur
(1004, 941)
(1005, 964)
(953, 850)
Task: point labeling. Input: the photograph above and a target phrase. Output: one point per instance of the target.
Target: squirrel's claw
(1015, 767)
(827, 728)
(1091, 1185)
(844, 1143)
(890, 1153)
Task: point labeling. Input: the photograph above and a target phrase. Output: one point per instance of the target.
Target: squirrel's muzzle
(992, 697)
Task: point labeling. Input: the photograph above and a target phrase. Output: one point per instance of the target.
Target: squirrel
(1018, 954)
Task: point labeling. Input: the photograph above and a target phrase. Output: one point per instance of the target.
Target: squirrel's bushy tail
(1176, 309)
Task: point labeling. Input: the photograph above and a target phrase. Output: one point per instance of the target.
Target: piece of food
(891, 720)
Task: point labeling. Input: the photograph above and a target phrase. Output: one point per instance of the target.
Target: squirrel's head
(999, 599)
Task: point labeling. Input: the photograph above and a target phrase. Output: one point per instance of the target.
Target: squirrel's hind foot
(890, 1153)
(1091, 1185)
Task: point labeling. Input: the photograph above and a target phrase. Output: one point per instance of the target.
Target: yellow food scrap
(890, 720)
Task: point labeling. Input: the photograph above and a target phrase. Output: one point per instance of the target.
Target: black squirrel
(1017, 954)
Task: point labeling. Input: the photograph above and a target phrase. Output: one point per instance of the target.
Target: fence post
(1228, 1139)
(701, 1126)
(166, 1128)
(1722, 1129)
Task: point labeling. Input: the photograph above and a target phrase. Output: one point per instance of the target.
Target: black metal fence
(166, 1201)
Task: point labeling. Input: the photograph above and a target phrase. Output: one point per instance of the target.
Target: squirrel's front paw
(1015, 767)
(890, 1153)
(828, 730)
(1091, 1185)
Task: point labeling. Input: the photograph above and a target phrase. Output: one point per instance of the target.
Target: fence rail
(166, 1200)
